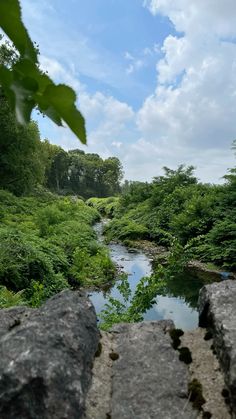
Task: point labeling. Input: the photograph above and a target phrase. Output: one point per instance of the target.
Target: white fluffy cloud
(194, 105)
(106, 117)
(191, 115)
(197, 17)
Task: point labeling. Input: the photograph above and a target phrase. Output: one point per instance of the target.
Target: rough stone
(98, 401)
(46, 358)
(205, 368)
(217, 308)
(148, 380)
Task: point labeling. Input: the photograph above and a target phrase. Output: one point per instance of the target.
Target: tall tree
(21, 160)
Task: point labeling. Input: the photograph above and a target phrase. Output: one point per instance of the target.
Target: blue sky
(155, 85)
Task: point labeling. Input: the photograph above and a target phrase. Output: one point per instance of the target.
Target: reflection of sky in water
(183, 316)
(138, 265)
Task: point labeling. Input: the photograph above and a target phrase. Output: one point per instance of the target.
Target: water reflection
(176, 301)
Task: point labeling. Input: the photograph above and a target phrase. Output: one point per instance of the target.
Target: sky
(155, 79)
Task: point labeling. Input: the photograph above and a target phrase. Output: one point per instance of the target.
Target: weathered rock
(46, 358)
(205, 368)
(98, 401)
(217, 306)
(148, 380)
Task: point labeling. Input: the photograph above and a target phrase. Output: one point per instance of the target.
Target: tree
(112, 175)
(22, 164)
(58, 171)
(165, 185)
(26, 86)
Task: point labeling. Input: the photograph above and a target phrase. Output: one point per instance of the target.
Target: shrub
(10, 299)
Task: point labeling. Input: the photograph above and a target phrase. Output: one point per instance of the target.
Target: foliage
(200, 217)
(27, 163)
(21, 158)
(93, 266)
(10, 299)
(131, 307)
(105, 206)
(47, 244)
(26, 86)
(193, 220)
(82, 174)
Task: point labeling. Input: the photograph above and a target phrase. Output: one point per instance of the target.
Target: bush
(11, 299)
(105, 206)
(41, 241)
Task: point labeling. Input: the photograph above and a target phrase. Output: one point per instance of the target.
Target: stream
(180, 300)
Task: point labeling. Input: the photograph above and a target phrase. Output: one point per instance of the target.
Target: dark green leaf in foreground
(62, 99)
(11, 23)
(26, 86)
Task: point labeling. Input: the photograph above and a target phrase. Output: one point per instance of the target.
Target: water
(179, 302)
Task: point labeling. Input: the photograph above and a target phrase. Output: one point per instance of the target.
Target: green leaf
(62, 98)
(12, 25)
(53, 115)
(24, 102)
(26, 68)
(27, 86)
(6, 79)
(5, 75)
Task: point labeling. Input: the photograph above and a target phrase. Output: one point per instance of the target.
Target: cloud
(192, 111)
(68, 44)
(107, 118)
(128, 56)
(195, 18)
(134, 64)
(190, 115)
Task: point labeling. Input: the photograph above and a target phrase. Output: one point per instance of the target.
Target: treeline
(75, 172)
(26, 163)
(199, 219)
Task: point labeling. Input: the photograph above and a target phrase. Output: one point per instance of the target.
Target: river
(180, 300)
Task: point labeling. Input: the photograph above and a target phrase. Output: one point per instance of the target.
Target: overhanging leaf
(62, 98)
(11, 23)
(27, 86)
(26, 68)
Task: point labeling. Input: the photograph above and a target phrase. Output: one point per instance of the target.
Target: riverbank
(204, 271)
(178, 302)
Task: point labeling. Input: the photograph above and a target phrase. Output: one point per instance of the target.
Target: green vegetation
(199, 218)
(105, 206)
(131, 307)
(195, 394)
(46, 238)
(47, 244)
(26, 86)
(75, 172)
(192, 220)
(27, 162)
(10, 299)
